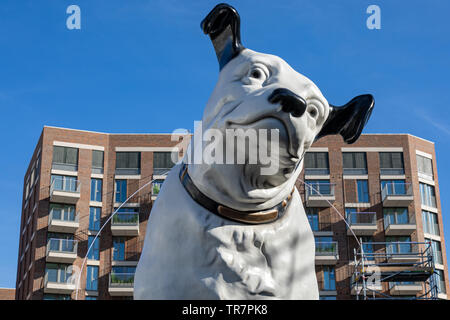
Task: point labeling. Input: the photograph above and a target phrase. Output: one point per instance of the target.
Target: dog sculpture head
(261, 91)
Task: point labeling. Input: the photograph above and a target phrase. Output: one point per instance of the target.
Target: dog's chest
(192, 253)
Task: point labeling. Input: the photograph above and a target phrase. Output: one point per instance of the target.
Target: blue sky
(145, 66)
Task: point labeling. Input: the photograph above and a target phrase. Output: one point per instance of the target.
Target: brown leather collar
(248, 217)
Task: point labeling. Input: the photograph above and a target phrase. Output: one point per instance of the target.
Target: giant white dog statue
(225, 231)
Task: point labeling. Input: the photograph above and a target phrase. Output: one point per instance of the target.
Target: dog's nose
(290, 102)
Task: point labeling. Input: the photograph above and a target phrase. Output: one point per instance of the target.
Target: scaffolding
(405, 270)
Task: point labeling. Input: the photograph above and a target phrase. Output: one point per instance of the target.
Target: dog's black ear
(223, 26)
(350, 119)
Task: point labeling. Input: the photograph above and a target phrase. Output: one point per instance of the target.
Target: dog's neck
(229, 186)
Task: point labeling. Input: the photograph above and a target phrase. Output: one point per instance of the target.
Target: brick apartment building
(7, 294)
(386, 185)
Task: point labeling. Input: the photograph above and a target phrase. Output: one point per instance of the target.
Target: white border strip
(318, 149)
(78, 145)
(372, 149)
(424, 154)
(146, 149)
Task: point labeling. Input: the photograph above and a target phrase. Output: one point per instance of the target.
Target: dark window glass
(316, 163)
(65, 158)
(97, 159)
(363, 191)
(425, 166)
(94, 218)
(121, 190)
(94, 253)
(92, 278)
(128, 163)
(354, 163)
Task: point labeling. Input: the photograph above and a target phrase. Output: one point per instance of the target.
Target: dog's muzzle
(248, 217)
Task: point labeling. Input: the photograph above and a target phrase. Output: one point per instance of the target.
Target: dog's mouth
(287, 135)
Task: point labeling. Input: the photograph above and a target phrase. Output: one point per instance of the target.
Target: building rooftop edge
(364, 134)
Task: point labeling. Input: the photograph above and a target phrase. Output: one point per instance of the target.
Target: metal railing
(362, 218)
(128, 171)
(404, 283)
(62, 245)
(355, 171)
(125, 219)
(65, 183)
(319, 189)
(161, 171)
(64, 166)
(392, 171)
(98, 170)
(121, 280)
(67, 278)
(398, 220)
(396, 189)
(64, 216)
(317, 171)
(326, 248)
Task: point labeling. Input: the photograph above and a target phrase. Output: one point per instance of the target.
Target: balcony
(371, 288)
(66, 222)
(404, 252)
(327, 253)
(392, 171)
(65, 189)
(355, 171)
(125, 224)
(395, 226)
(61, 250)
(362, 223)
(58, 287)
(404, 288)
(64, 166)
(317, 171)
(121, 284)
(397, 194)
(319, 194)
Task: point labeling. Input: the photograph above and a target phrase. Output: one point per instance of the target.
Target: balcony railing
(328, 248)
(65, 184)
(355, 171)
(128, 171)
(126, 219)
(320, 189)
(317, 171)
(64, 166)
(62, 246)
(161, 171)
(64, 216)
(98, 170)
(320, 226)
(392, 171)
(121, 280)
(156, 188)
(398, 220)
(361, 218)
(396, 189)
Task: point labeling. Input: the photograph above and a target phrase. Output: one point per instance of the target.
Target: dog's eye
(312, 110)
(256, 74)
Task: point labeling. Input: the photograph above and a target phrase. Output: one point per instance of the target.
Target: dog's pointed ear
(350, 119)
(222, 25)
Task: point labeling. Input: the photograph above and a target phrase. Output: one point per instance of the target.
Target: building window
(327, 298)
(128, 163)
(162, 162)
(362, 191)
(121, 190)
(354, 163)
(427, 195)
(440, 280)
(59, 273)
(64, 183)
(97, 161)
(319, 187)
(61, 242)
(94, 253)
(64, 212)
(118, 249)
(96, 190)
(391, 163)
(367, 244)
(90, 298)
(329, 279)
(123, 276)
(313, 218)
(65, 158)
(94, 218)
(437, 251)
(92, 278)
(395, 216)
(425, 167)
(316, 163)
(430, 223)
